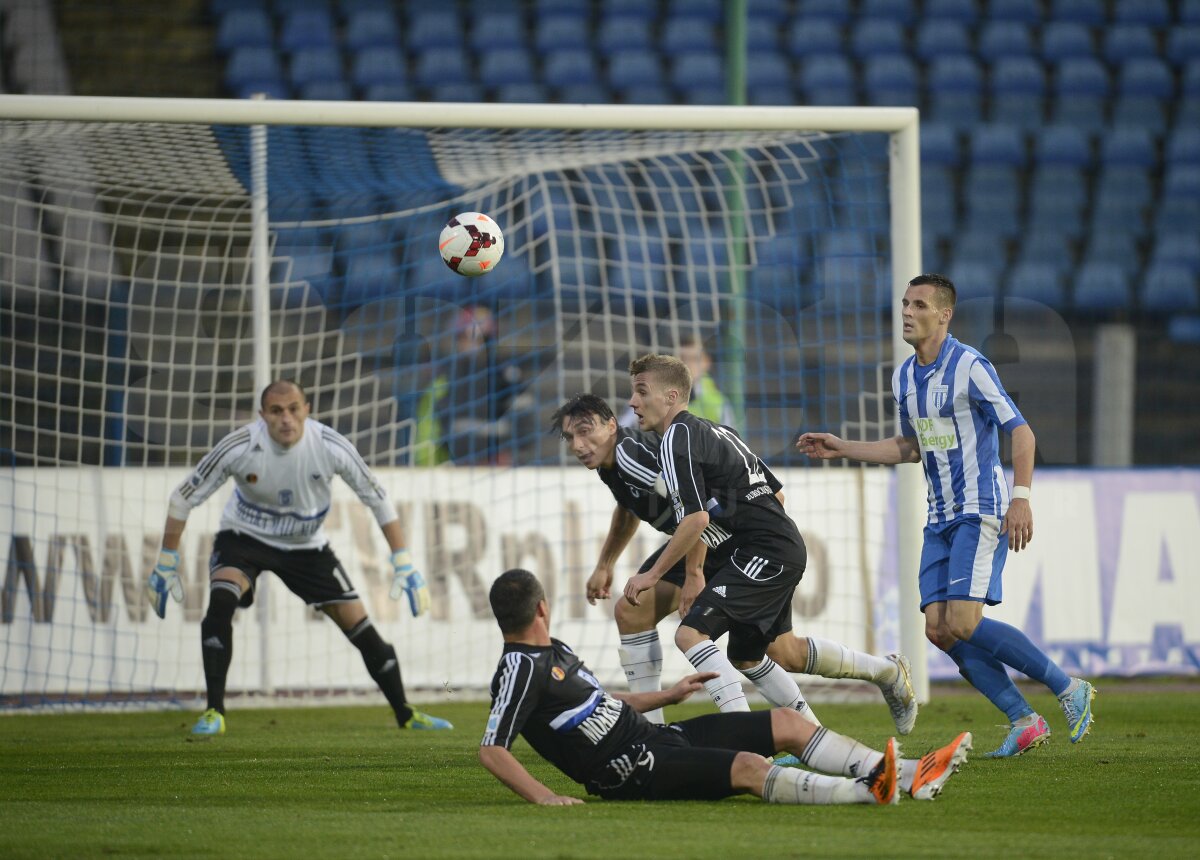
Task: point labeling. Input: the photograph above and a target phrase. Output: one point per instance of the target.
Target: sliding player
(283, 464)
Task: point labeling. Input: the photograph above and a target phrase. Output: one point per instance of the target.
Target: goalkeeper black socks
(384, 668)
(216, 640)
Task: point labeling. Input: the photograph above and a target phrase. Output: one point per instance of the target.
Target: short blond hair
(667, 369)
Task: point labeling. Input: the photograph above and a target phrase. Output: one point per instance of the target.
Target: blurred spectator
(463, 414)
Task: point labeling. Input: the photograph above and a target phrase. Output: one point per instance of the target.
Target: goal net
(128, 275)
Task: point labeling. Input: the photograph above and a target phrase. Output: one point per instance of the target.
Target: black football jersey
(547, 695)
(707, 467)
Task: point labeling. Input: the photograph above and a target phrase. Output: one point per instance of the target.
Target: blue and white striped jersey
(955, 410)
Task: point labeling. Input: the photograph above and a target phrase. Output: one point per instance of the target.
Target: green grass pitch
(342, 782)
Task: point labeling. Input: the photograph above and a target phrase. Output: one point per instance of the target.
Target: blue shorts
(962, 560)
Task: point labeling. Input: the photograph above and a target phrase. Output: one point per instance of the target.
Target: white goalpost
(162, 259)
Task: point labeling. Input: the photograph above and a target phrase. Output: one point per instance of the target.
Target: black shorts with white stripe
(676, 574)
(314, 575)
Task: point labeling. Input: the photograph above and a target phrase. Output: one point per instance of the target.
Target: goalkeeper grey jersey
(282, 494)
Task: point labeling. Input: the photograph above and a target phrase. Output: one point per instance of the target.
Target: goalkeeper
(283, 465)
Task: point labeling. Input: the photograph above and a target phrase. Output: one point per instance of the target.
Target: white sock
(830, 752)
(1071, 688)
(831, 659)
(779, 688)
(906, 769)
(641, 658)
(793, 785)
(726, 690)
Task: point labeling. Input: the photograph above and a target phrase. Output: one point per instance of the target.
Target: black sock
(384, 668)
(216, 641)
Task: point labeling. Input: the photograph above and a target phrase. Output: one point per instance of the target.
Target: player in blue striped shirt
(951, 408)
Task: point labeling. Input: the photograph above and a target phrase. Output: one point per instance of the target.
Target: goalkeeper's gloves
(406, 580)
(164, 580)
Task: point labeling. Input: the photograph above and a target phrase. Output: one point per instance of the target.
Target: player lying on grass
(626, 460)
(283, 465)
(543, 692)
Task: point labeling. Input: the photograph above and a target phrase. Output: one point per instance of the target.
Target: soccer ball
(471, 244)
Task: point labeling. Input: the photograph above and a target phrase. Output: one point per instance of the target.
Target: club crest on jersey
(252, 478)
(285, 497)
(557, 673)
(939, 395)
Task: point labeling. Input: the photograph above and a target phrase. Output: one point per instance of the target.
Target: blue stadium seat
(807, 36)
(1022, 11)
(496, 27)
(430, 29)
(941, 38)
(1018, 92)
(1129, 147)
(459, 91)
(326, 91)
(762, 34)
(1189, 12)
(891, 80)
(1088, 12)
(1063, 145)
(315, 65)
(379, 65)
(623, 34)
(371, 28)
(955, 86)
(547, 8)
(586, 94)
(1183, 44)
(1170, 289)
(963, 11)
(1114, 247)
(248, 68)
(1183, 146)
(767, 70)
(1057, 214)
(647, 95)
(1123, 42)
(1081, 88)
(634, 68)
(1177, 214)
(1154, 13)
(712, 11)
(1037, 282)
(307, 28)
(561, 33)
(774, 11)
(522, 94)
(872, 37)
(939, 146)
(569, 67)
(1178, 249)
(974, 280)
(441, 67)
(501, 67)
(388, 91)
(1066, 40)
(371, 276)
(346, 8)
(828, 79)
(1148, 76)
(630, 9)
(981, 246)
(1184, 328)
(219, 7)
(1100, 288)
(1000, 39)
(1047, 248)
(245, 28)
(998, 145)
(833, 10)
(697, 72)
(902, 11)
(688, 35)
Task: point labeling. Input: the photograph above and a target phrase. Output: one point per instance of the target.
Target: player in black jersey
(627, 462)
(543, 692)
(725, 496)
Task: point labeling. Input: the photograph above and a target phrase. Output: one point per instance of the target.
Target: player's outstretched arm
(681, 691)
(505, 767)
(887, 452)
(164, 579)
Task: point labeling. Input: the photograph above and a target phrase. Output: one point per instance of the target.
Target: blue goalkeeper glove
(406, 580)
(164, 580)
